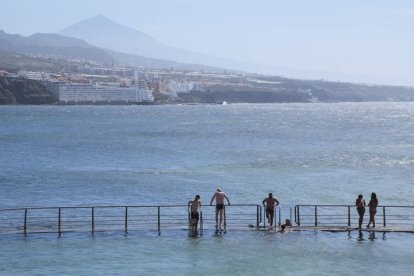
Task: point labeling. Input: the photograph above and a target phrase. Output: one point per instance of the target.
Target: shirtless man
(271, 203)
(219, 196)
(194, 206)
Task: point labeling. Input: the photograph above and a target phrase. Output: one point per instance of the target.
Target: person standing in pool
(360, 205)
(373, 203)
(194, 206)
(271, 203)
(219, 196)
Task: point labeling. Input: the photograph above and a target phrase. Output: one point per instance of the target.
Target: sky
(362, 41)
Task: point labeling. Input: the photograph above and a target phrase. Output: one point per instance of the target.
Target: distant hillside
(52, 45)
(58, 46)
(134, 60)
(14, 62)
(328, 91)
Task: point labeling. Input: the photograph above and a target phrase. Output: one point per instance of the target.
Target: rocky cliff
(23, 91)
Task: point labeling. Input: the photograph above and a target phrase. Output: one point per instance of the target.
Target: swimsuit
(195, 215)
(219, 206)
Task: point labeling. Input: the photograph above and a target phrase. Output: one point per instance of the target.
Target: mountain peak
(103, 32)
(100, 16)
(103, 19)
(97, 22)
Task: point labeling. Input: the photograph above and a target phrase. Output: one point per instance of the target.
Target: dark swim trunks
(219, 206)
(270, 211)
(195, 215)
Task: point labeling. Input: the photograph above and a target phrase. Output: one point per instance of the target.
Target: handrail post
(225, 220)
(316, 215)
(93, 220)
(25, 222)
(290, 214)
(257, 216)
(159, 220)
(298, 215)
(349, 215)
(59, 223)
(126, 219)
(296, 218)
(189, 222)
(383, 215)
(201, 223)
(260, 216)
(280, 216)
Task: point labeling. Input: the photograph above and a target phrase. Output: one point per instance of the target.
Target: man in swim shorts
(219, 196)
(194, 206)
(271, 203)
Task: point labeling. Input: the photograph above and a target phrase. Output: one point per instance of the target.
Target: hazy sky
(366, 38)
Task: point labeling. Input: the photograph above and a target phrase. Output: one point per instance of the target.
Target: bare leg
(217, 217)
(361, 219)
(192, 224)
(370, 220)
(221, 218)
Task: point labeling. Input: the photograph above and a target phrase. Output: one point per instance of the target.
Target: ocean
(161, 155)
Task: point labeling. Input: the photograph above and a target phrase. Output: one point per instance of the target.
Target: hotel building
(84, 93)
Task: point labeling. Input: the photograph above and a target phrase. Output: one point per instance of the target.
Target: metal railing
(158, 218)
(279, 215)
(121, 218)
(346, 215)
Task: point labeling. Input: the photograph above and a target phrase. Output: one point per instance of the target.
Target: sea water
(155, 155)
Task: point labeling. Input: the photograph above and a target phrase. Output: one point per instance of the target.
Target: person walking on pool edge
(271, 203)
(373, 203)
(360, 205)
(219, 196)
(194, 206)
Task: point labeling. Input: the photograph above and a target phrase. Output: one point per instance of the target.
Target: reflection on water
(361, 236)
(372, 235)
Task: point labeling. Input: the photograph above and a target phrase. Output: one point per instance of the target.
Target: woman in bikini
(373, 203)
(360, 204)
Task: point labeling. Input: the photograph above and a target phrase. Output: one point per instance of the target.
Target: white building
(30, 75)
(83, 93)
(183, 87)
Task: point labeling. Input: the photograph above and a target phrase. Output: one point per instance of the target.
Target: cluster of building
(111, 87)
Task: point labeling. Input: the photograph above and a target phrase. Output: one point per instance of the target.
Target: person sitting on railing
(271, 203)
(219, 196)
(373, 203)
(360, 205)
(194, 206)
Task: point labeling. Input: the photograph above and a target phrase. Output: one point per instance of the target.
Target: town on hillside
(55, 80)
